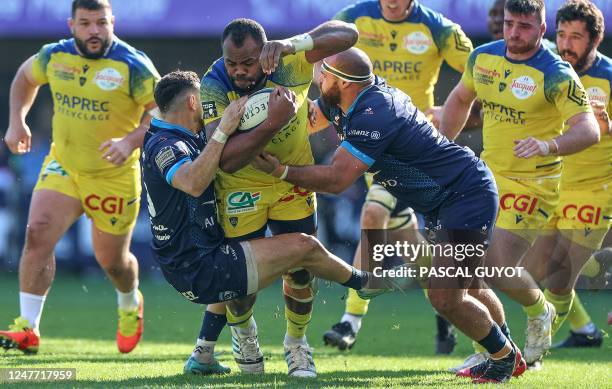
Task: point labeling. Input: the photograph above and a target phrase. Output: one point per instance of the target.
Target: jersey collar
(171, 126)
(515, 61)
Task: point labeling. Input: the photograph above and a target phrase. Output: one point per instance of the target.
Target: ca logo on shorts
(241, 202)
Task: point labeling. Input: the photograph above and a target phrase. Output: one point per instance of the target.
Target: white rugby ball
(256, 110)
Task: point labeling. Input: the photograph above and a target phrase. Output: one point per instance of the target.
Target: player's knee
(374, 216)
(37, 236)
(443, 300)
(113, 263)
(308, 246)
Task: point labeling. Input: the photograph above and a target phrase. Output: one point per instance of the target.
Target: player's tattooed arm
(24, 88)
(244, 146)
(457, 108)
(194, 177)
(333, 178)
(118, 150)
(326, 39)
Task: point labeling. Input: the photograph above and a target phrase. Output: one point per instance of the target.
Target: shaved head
(352, 61)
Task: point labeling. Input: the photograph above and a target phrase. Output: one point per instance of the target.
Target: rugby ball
(256, 110)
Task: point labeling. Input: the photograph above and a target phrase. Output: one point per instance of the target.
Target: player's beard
(520, 46)
(581, 62)
(331, 97)
(254, 83)
(82, 45)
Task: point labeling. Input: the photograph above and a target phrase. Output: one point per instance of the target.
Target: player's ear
(70, 22)
(193, 102)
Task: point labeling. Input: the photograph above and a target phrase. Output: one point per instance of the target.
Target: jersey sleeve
(39, 65)
(457, 48)
(143, 78)
(468, 75)
(348, 14)
(168, 156)
(293, 70)
(214, 97)
(368, 136)
(565, 91)
(454, 46)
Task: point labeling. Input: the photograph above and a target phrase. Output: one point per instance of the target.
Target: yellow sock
(355, 305)
(578, 317)
(537, 309)
(563, 304)
(296, 323)
(242, 321)
(591, 268)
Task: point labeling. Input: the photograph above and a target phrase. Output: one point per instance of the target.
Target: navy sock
(212, 325)
(358, 280)
(494, 341)
(505, 330)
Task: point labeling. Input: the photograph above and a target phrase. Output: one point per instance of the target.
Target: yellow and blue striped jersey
(94, 100)
(408, 54)
(290, 145)
(519, 99)
(593, 166)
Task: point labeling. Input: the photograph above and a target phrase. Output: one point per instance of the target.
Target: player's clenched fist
(231, 116)
(18, 138)
(599, 109)
(281, 107)
(272, 52)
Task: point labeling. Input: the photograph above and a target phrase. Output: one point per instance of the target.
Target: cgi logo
(587, 214)
(521, 203)
(110, 204)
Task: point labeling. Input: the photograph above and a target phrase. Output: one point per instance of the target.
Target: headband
(344, 76)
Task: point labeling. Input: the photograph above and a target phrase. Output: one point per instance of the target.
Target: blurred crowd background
(185, 34)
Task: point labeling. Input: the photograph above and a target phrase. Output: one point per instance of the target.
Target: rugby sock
(212, 325)
(353, 320)
(587, 329)
(537, 309)
(296, 323)
(358, 279)
(245, 324)
(128, 301)
(591, 268)
(505, 330)
(578, 317)
(290, 340)
(495, 341)
(31, 306)
(204, 351)
(355, 305)
(563, 304)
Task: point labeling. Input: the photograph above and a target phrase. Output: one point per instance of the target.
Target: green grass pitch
(394, 348)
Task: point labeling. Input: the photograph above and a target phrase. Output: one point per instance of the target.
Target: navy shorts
(468, 215)
(229, 272)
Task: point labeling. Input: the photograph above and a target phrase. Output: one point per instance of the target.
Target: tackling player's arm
(323, 41)
(457, 108)
(333, 178)
(23, 91)
(242, 147)
(195, 176)
(317, 121)
(118, 150)
(603, 118)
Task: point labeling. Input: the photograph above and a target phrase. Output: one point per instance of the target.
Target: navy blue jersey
(406, 153)
(183, 226)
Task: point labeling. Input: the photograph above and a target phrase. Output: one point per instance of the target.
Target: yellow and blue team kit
(408, 54)
(249, 198)
(534, 97)
(95, 101)
(585, 204)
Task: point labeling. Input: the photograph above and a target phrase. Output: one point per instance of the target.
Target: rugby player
(582, 217)
(250, 201)
(102, 97)
(407, 43)
(527, 93)
(179, 165)
(384, 133)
